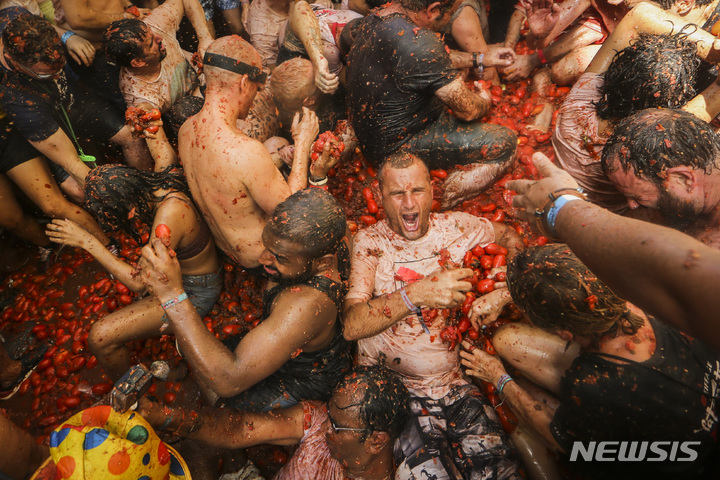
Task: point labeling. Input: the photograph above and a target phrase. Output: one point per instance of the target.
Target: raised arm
(648, 18)
(304, 132)
(304, 24)
(196, 16)
(297, 317)
(663, 271)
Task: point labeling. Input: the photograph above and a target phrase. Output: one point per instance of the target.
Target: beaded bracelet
(504, 379)
(174, 301)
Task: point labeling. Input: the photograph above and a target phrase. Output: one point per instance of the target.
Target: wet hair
(312, 219)
(399, 161)
(30, 39)
(123, 40)
(653, 140)
(653, 71)
(419, 5)
(118, 195)
(558, 292)
(385, 404)
(667, 4)
(291, 80)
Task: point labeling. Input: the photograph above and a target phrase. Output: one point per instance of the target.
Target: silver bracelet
(318, 183)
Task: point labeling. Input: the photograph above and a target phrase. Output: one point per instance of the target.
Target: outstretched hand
(68, 233)
(159, 271)
(533, 194)
(304, 129)
(484, 366)
(81, 50)
(542, 16)
(487, 308)
(498, 56)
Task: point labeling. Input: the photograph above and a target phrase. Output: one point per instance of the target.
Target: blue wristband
(172, 302)
(555, 209)
(65, 37)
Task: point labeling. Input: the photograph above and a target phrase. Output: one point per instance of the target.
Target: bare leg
(539, 355)
(35, 179)
(21, 456)
(13, 218)
(539, 464)
(468, 181)
(109, 335)
(134, 149)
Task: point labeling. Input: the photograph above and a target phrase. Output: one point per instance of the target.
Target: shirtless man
(298, 351)
(669, 160)
(381, 313)
(232, 177)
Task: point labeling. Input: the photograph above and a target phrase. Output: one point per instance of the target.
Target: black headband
(236, 66)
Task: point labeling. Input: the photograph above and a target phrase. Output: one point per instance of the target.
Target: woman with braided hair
(118, 196)
(596, 369)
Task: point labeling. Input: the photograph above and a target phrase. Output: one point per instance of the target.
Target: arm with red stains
(532, 412)
(513, 31)
(262, 179)
(59, 148)
(195, 14)
(299, 315)
(304, 131)
(661, 270)
(465, 104)
(70, 233)
(304, 24)
(648, 18)
(366, 317)
(229, 428)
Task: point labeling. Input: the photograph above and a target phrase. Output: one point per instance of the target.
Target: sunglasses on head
(236, 66)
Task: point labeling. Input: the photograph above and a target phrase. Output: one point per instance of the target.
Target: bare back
(233, 182)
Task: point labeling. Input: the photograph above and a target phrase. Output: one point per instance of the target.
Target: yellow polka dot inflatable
(100, 443)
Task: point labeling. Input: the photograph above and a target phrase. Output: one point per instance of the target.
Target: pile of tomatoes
(141, 121)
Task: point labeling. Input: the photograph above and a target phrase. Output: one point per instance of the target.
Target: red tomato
(439, 174)
(368, 219)
(492, 249)
(162, 232)
(499, 261)
(152, 128)
(463, 325)
(485, 285)
(473, 334)
(169, 397)
(100, 389)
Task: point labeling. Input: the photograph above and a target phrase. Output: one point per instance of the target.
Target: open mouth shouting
(411, 221)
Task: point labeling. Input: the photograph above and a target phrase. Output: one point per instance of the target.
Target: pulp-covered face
(639, 191)
(153, 50)
(345, 432)
(284, 261)
(407, 200)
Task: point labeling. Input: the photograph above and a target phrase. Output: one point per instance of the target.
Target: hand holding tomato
(304, 130)
(480, 364)
(160, 272)
(498, 56)
(441, 289)
(488, 307)
(533, 194)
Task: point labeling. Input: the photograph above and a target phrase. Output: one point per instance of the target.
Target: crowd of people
(612, 364)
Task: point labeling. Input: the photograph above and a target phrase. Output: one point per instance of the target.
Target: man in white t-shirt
(396, 271)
